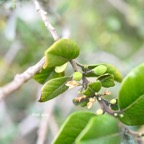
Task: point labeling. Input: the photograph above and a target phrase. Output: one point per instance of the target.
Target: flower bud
(113, 101)
(121, 115)
(72, 84)
(99, 112)
(77, 76)
(100, 70)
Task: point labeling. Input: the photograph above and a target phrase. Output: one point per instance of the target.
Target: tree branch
(121, 6)
(103, 106)
(136, 135)
(45, 19)
(44, 123)
(20, 79)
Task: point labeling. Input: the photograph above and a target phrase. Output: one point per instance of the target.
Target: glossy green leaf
(99, 70)
(131, 97)
(53, 88)
(47, 74)
(72, 127)
(107, 80)
(111, 69)
(43, 75)
(61, 52)
(92, 88)
(114, 71)
(100, 130)
(60, 69)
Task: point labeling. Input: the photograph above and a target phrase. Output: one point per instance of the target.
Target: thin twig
(45, 19)
(74, 65)
(48, 109)
(136, 135)
(103, 106)
(44, 122)
(121, 6)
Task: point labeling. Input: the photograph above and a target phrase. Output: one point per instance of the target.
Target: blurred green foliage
(97, 27)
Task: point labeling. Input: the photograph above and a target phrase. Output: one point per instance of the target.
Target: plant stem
(104, 106)
(80, 65)
(46, 21)
(74, 65)
(137, 136)
(20, 79)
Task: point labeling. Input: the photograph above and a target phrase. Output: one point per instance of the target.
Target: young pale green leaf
(72, 127)
(60, 69)
(100, 130)
(61, 52)
(92, 88)
(77, 76)
(53, 88)
(114, 71)
(111, 69)
(131, 97)
(100, 70)
(47, 74)
(107, 80)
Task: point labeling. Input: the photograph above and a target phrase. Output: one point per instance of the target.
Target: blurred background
(109, 31)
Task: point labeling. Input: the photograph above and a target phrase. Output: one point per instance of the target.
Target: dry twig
(20, 79)
(45, 19)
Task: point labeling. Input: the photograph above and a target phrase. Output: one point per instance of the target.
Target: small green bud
(115, 114)
(140, 134)
(85, 66)
(99, 112)
(121, 115)
(113, 101)
(99, 98)
(79, 92)
(100, 70)
(77, 76)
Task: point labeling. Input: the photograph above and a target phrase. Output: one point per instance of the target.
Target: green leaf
(114, 71)
(46, 74)
(131, 97)
(60, 69)
(42, 76)
(61, 52)
(82, 102)
(100, 130)
(92, 88)
(111, 69)
(100, 70)
(107, 80)
(53, 88)
(72, 127)
(77, 76)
